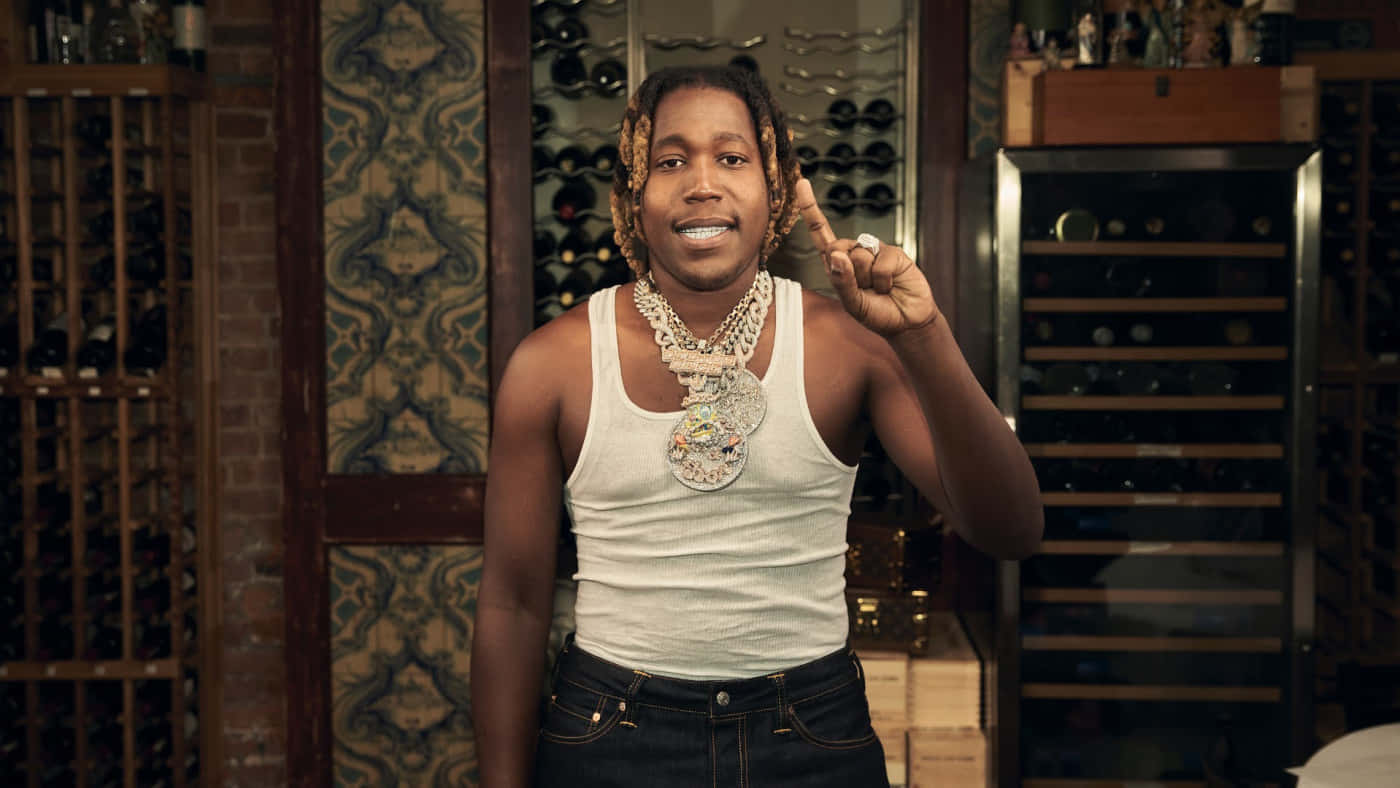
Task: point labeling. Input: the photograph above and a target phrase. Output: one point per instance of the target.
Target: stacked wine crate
(1155, 314)
(104, 176)
(1358, 523)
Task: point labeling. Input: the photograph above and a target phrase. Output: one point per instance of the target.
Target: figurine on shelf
(1243, 42)
(1088, 38)
(1203, 47)
(1050, 53)
(1122, 40)
(1020, 42)
(1157, 52)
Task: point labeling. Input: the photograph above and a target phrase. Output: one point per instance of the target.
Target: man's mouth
(704, 233)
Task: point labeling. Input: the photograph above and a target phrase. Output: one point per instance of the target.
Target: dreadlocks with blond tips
(780, 166)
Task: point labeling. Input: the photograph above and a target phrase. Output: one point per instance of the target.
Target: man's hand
(887, 293)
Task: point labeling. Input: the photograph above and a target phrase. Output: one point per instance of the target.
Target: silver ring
(868, 241)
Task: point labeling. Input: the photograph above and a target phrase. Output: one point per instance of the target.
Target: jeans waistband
(720, 697)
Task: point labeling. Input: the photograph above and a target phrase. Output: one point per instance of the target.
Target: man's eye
(733, 160)
(665, 164)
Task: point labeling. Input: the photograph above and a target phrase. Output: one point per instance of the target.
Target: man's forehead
(714, 106)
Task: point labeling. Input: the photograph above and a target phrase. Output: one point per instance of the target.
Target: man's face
(705, 204)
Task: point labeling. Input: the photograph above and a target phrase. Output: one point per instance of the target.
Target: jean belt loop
(782, 725)
(629, 703)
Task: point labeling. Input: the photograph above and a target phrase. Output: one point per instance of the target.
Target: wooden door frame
(322, 509)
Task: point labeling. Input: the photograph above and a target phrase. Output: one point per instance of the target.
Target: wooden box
(940, 757)
(1159, 106)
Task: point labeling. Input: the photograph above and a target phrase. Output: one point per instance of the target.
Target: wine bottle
(840, 157)
(9, 341)
(879, 114)
(840, 199)
(878, 157)
(541, 118)
(146, 265)
(99, 351)
(606, 250)
(842, 114)
(37, 27)
(542, 160)
(745, 62)
(609, 77)
(878, 199)
(571, 200)
(1067, 380)
(544, 245)
(115, 37)
(575, 287)
(1211, 380)
(569, 75)
(147, 350)
(547, 281)
(1137, 380)
(1340, 113)
(1274, 31)
(570, 33)
(603, 162)
(574, 245)
(615, 273)
(540, 35)
(191, 39)
(807, 160)
(51, 345)
(571, 161)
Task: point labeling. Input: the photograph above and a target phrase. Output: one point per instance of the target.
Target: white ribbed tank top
(734, 583)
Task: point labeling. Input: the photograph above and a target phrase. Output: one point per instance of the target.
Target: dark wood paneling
(509, 179)
(299, 279)
(410, 508)
(942, 143)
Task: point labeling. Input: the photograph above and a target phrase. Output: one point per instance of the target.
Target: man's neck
(703, 310)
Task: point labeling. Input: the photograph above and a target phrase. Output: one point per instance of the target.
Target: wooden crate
(1159, 106)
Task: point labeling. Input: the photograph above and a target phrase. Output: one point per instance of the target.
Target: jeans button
(722, 698)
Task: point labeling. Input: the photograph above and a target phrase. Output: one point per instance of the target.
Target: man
(704, 423)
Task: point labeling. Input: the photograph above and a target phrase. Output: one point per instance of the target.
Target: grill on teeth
(701, 233)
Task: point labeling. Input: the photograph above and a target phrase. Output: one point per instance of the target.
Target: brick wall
(241, 62)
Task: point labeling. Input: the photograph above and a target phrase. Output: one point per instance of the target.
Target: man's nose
(702, 184)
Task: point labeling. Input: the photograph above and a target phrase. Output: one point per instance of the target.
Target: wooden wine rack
(1362, 629)
(115, 647)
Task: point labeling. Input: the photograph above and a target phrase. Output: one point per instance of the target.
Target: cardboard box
(941, 757)
(887, 686)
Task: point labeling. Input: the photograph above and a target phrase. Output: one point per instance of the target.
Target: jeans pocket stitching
(603, 728)
(829, 744)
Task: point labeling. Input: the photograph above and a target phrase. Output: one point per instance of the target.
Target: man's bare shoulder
(826, 321)
(551, 354)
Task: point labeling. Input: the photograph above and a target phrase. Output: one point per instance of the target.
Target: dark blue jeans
(806, 727)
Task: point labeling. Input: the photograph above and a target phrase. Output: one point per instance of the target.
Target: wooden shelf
(1151, 596)
(1153, 249)
(1078, 305)
(130, 388)
(1350, 372)
(1165, 692)
(101, 80)
(1058, 402)
(1234, 645)
(1222, 500)
(1254, 451)
(1117, 547)
(1206, 353)
(1054, 782)
(78, 670)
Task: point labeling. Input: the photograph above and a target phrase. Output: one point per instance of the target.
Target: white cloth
(734, 583)
(1368, 758)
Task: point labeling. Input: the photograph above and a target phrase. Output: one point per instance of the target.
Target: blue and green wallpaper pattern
(404, 178)
(401, 624)
(989, 31)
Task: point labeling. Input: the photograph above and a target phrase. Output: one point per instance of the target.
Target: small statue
(1200, 50)
(1088, 33)
(1158, 53)
(1050, 53)
(1020, 42)
(1242, 39)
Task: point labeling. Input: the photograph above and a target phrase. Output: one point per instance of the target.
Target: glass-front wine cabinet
(108, 593)
(1155, 314)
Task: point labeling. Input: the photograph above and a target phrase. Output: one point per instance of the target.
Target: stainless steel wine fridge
(1154, 348)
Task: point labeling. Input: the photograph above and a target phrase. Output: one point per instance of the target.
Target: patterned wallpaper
(989, 28)
(404, 175)
(402, 619)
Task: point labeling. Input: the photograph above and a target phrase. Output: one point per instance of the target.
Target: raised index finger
(812, 214)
